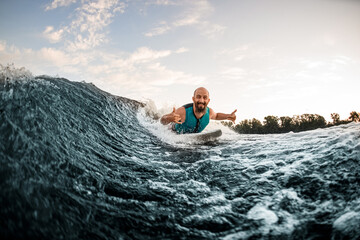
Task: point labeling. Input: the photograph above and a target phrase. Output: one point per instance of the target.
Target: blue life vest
(192, 124)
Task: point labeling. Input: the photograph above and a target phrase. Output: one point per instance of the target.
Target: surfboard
(206, 136)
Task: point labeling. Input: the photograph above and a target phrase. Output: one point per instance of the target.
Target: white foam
(149, 117)
(206, 213)
(348, 224)
(287, 193)
(10, 73)
(163, 186)
(195, 186)
(344, 220)
(236, 236)
(259, 212)
(217, 198)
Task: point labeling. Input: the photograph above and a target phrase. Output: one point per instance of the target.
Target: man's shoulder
(189, 105)
(212, 114)
(180, 110)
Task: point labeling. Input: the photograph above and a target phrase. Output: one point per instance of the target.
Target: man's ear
(193, 99)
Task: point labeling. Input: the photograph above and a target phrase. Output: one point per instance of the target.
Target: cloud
(182, 50)
(59, 3)
(145, 54)
(77, 56)
(2, 46)
(161, 29)
(92, 18)
(196, 11)
(164, 77)
(87, 30)
(233, 73)
(343, 60)
(127, 74)
(142, 66)
(51, 35)
(187, 20)
(8, 52)
(194, 14)
(57, 57)
(248, 52)
(329, 41)
(213, 30)
(161, 2)
(46, 60)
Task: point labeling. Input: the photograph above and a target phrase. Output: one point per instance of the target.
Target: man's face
(201, 100)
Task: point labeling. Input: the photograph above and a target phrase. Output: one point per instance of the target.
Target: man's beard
(200, 107)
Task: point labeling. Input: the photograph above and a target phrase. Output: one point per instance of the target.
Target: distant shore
(297, 123)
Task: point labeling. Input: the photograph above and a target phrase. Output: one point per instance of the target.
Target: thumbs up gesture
(232, 116)
(174, 117)
(171, 117)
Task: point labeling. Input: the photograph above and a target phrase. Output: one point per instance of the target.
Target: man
(194, 117)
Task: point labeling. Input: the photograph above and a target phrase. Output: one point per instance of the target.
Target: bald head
(201, 90)
(201, 99)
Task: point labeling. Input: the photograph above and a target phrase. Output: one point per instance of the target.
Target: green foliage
(297, 123)
(311, 121)
(336, 118)
(227, 124)
(286, 124)
(354, 116)
(256, 126)
(243, 127)
(271, 124)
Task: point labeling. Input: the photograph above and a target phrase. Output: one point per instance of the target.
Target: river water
(80, 163)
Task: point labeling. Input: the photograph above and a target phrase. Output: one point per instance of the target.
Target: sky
(261, 57)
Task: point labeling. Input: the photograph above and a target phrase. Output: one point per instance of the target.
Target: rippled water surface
(79, 163)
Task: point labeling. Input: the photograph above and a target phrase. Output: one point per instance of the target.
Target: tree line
(297, 123)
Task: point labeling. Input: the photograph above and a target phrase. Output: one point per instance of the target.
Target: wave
(80, 163)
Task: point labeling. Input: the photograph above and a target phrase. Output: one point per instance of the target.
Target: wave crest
(10, 73)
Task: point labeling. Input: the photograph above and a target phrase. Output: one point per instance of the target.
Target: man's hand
(174, 117)
(232, 116)
(171, 117)
(223, 116)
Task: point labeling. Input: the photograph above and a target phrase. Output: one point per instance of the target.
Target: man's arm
(176, 116)
(223, 116)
